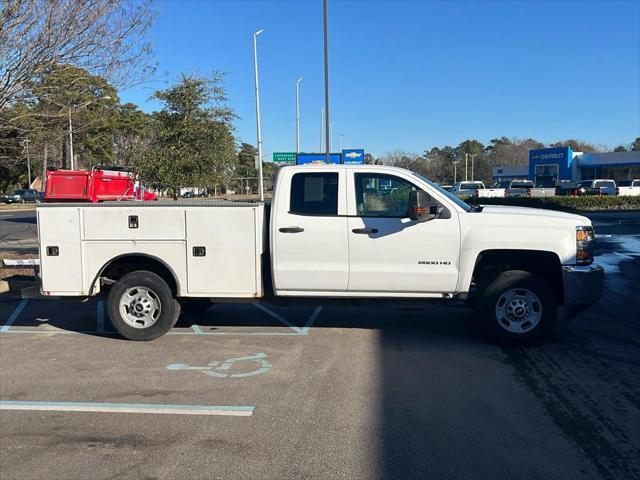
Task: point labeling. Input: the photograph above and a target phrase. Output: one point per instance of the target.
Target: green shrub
(567, 204)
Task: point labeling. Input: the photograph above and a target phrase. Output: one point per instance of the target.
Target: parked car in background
(629, 188)
(189, 194)
(446, 187)
(597, 187)
(492, 192)
(22, 195)
(523, 188)
(567, 188)
(466, 189)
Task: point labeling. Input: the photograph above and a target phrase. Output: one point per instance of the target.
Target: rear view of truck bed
(211, 249)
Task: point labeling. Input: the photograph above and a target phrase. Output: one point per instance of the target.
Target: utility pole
(298, 114)
(255, 68)
(326, 82)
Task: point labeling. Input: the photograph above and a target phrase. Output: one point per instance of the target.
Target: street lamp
(326, 79)
(255, 68)
(455, 169)
(298, 114)
(70, 109)
(26, 143)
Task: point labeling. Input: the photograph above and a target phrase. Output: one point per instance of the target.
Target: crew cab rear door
(309, 232)
(388, 252)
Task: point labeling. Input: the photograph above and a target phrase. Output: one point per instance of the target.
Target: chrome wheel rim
(518, 310)
(140, 307)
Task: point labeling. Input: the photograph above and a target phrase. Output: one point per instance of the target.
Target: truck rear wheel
(518, 308)
(141, 306)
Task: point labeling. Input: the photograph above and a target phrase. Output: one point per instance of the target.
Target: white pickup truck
(357, 234)
(628, 188)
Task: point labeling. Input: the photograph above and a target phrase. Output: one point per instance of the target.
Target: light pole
(255, 68)
(70, 109)
(340, 143)
(333, 124)
(473, 156)
(455, 170)
(321, 128)
(71, 160)
(466, 158)
(26, 143)
(298, 114)
(466, 161)
(326, 80)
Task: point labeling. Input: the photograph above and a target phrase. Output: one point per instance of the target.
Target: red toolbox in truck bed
(96, 185)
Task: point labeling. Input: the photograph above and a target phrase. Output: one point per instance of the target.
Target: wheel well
(120, 266)
(545, 265)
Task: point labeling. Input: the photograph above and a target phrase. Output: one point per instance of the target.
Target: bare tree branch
(104, 37)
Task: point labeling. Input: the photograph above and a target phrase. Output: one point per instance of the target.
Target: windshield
(465, 206)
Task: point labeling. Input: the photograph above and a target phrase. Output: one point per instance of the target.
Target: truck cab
(346, 231)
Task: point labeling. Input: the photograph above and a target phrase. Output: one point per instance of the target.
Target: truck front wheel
(141, 306)
(518, 308)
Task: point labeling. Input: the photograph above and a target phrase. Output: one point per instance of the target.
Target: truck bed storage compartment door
(223, 251)
(128, 223)
(309, 234)
(60, 250)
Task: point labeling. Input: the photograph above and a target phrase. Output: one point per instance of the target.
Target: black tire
(156, 292)
(502, 303)
(195, 305)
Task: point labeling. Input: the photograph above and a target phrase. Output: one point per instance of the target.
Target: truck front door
(309, 233)
(389, 253)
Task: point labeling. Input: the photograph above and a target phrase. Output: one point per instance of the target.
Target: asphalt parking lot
(250, 391)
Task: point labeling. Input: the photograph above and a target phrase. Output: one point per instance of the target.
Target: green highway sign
(284, 157)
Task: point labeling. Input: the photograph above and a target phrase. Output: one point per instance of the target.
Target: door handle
(291, 229)
(365, 230)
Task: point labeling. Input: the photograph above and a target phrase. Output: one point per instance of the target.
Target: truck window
(314, 193)
(379, 195)
(522, 185)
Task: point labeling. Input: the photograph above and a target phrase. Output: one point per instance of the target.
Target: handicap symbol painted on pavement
(221, 369)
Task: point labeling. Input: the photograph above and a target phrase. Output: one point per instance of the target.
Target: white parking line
(156, 408)
(12, 318)
(299, 330)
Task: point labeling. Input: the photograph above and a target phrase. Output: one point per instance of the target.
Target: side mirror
(420, 209)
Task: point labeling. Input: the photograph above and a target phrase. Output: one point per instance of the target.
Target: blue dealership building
(548, 165)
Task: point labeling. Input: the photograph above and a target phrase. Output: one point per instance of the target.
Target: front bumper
(583, 284)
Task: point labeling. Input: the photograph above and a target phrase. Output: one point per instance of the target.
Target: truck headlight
(584, 245)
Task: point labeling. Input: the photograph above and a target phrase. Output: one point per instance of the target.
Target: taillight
(584, 245)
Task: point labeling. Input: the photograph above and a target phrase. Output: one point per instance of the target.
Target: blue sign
(354, 156)
(551, 161)
(303, 158)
